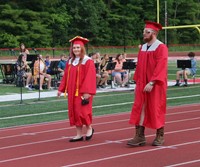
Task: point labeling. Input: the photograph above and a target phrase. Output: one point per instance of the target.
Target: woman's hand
(86, 96)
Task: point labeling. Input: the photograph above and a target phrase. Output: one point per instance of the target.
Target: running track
(46, 145)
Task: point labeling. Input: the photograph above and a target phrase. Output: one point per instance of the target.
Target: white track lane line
(47, 131)
(57, 122)
(184, 163)
(96, 117)
(92, 145)
(67, 137)
(124, 155)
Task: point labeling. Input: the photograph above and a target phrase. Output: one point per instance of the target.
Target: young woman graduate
(79, 82)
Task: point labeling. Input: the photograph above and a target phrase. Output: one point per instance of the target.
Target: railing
(113, 50)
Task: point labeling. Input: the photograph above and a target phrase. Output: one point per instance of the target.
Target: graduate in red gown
(79, 82)
(149, 107)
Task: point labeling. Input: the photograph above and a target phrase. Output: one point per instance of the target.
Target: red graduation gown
(79, 114)
(151, 66)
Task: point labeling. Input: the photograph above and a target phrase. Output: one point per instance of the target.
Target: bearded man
(149, 108)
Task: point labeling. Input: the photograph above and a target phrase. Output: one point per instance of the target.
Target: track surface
(46, 145)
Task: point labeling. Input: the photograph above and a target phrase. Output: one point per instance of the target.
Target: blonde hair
(103, 61)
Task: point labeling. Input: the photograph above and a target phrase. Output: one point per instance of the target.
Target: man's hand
(148, 87)
(58, 94)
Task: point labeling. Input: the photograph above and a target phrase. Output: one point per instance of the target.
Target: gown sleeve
(160, 71)
(88, 84)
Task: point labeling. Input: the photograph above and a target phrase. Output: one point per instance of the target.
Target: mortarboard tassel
(77, 82)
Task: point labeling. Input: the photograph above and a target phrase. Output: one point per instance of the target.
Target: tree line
(51, 23)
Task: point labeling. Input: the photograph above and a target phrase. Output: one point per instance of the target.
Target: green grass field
(51, 109)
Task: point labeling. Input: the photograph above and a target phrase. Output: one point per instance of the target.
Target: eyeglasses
(147, 31)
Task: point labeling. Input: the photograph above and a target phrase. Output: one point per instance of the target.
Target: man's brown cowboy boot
(139, 139)
(159, 140)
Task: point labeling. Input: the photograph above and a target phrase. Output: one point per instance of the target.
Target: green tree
(88, 19)
(51, 23)
(36, 24)
(8, 41)
(183, 12)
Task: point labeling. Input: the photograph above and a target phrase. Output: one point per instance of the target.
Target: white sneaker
(26, 86)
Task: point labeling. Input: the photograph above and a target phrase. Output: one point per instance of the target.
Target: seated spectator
(98, 57)
(103, 72)
(62, 64)
(188, 71)
(40, 72)
(23, 50)
(47, 64)
(23, 69)
(96, 62)
(120, 75)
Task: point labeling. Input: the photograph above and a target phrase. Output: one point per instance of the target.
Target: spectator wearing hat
(149, 106)
(188, 71)
(79, 82)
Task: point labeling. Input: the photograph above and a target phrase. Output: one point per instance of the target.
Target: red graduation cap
(153, 25)
(79, 40)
